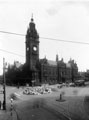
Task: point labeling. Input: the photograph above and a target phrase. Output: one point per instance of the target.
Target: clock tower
(32, 46)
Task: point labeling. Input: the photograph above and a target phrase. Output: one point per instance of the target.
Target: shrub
(13, 96)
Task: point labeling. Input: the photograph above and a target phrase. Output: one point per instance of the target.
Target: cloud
(86, 5)
(54, 7)
(52, 11)
(68, 2)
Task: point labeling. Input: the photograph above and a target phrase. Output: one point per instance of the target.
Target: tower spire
(32, 18)
(32, 15)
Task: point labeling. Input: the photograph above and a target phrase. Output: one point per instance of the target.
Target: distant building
(43, 70)
(85, 75)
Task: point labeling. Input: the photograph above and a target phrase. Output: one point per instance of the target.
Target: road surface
(35, 110)
(46, 107)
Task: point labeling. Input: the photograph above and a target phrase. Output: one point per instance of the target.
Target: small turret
(57, 59)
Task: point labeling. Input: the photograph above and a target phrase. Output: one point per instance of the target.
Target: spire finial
(32, 15)
(32, 18)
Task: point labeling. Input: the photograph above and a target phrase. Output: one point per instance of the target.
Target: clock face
(34, 48)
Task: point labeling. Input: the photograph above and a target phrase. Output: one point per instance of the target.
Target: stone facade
(58, 71)
(43, 70)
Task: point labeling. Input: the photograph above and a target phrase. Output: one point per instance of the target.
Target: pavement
(35, 110)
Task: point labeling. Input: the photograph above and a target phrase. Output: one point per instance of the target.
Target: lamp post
(4, 86)
(72, 73)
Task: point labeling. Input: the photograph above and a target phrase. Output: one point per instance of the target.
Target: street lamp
(4, 85)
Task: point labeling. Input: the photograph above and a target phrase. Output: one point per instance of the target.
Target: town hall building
(44, 70)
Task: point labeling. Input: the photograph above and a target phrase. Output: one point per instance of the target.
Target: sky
(58, 19)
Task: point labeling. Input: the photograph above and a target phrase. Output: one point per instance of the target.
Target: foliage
(15, 76)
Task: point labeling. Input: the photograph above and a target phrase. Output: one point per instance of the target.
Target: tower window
(27, 49)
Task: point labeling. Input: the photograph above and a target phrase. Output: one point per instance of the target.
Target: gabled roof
(51, 62)
(48, 62)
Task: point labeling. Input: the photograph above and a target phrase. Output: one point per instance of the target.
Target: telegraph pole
(4, 85)
(72, 74)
